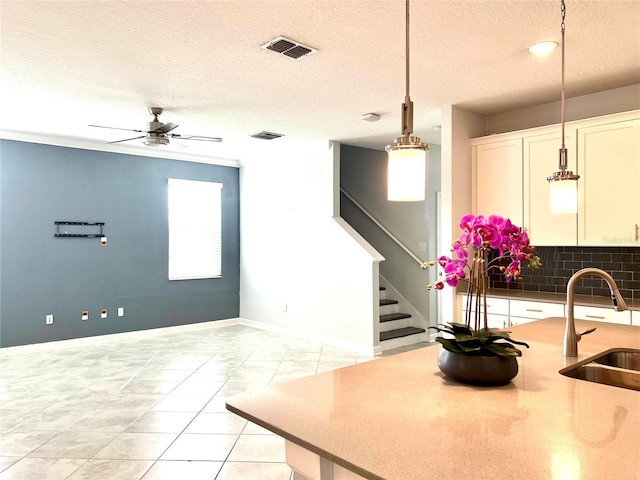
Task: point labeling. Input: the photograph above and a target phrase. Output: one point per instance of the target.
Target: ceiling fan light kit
(153, 140)
(159, 134)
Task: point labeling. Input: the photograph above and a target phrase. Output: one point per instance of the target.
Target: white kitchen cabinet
(541, 159)
(510, 172)
(635, 318)
(608, 189)
(524, 311)
(497, 311)
(497, 172)
(601, 314)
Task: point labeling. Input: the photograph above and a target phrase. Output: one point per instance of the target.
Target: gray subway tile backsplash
(560, 263)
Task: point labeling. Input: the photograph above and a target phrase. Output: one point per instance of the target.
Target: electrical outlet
(48, 319)
(85, 315)
(103, 313)
(121, 311)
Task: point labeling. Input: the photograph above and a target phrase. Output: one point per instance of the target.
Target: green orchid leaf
(440, 329)
(468, 348)
(463, 337)
(503, 349)
(460, 328)
(504, 335)
(519, 343)
(450, 345)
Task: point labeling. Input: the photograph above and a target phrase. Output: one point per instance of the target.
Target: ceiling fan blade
(116, 128)
(196, 137)
(166, 128)
(127, 139)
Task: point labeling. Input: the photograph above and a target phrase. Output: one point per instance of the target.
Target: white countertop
(398, 418)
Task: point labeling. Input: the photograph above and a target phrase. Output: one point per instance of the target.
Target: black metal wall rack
(84, 235)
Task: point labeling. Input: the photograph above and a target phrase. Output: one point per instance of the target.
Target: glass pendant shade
(563, 184)
(563, 196)
(406, 171)
(406, 174)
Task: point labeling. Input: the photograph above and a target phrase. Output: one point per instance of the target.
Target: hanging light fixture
(407, 155)
(563, 184)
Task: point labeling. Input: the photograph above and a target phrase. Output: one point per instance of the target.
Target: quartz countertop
(397, 417)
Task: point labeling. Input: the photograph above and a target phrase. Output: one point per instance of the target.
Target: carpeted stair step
(400, 332)
(393, 316)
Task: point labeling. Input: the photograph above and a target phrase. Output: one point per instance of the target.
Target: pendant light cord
(563, 11)
(407, 50)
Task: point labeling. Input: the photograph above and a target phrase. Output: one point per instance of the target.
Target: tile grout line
(138, 372)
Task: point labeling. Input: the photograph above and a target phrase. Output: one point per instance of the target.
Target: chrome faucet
(571, 337)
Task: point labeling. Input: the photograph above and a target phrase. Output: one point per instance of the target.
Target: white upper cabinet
(497, 170)
(541, 159)
(609, 185)
(510, 179)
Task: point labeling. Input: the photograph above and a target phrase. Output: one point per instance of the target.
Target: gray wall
(363, 174)
(41, 274)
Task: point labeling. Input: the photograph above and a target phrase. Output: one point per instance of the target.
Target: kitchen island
(398, 418)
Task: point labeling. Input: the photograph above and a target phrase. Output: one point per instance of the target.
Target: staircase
(396, 329)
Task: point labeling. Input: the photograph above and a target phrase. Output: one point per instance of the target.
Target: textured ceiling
(67, 64)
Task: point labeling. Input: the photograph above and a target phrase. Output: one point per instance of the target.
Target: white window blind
(195, 229)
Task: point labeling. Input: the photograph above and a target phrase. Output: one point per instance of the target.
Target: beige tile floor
(151, 409)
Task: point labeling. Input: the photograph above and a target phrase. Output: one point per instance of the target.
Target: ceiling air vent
(266, 135)
(288, 47)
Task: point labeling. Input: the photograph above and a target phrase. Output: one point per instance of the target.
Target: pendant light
(407, 155)
(563, 184)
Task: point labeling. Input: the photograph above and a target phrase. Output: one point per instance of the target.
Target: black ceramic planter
(477, 370)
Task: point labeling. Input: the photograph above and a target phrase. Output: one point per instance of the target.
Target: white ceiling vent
(288, 47)
(264, 135)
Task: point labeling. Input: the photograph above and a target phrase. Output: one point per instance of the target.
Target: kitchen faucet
(571, 337)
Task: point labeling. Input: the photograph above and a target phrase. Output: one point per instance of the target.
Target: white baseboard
(114, 337)
(154, 332)
(332, 342)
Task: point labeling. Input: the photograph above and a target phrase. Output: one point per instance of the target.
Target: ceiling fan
(158, 133)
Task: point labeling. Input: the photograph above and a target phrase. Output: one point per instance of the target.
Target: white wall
(595, 105)
(296, 256)
(458, 126)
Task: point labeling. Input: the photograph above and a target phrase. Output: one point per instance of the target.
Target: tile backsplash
(560, 263)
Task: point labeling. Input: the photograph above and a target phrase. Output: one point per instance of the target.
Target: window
(195, 229)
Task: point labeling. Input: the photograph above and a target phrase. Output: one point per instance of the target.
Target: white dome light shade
(563, 196)
(407, 175)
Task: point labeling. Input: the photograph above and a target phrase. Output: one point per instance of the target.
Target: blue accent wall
(41, 274)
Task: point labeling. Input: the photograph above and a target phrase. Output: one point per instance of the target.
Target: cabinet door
(498, 179)
(524, 311)
(497, 311)
(541, 159)
(598, 314)
(608, 192)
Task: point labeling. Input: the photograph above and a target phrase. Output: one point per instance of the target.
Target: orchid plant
(471, 262)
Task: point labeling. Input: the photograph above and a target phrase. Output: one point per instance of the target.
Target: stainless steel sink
(618, 367)
(620, 358)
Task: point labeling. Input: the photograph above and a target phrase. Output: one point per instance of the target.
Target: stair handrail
(382, 227)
